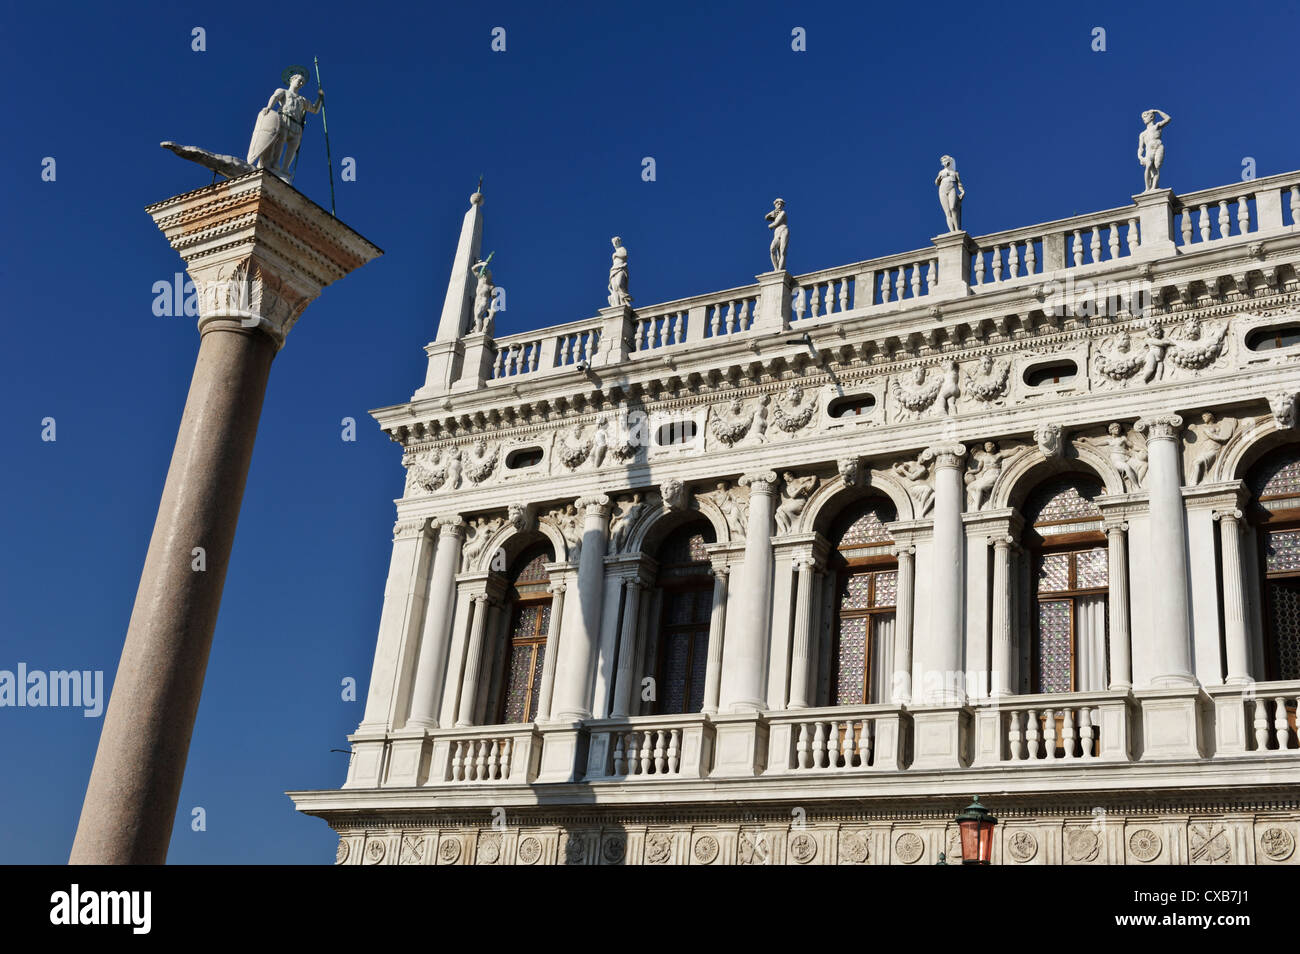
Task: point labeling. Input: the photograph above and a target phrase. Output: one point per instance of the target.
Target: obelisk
(258, 252)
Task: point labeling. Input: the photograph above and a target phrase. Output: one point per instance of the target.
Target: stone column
(939, 652)
(552, 642)
(577, 650)
(800, 665)
(901, 688)
(259, 252)
(1172, 634)
(744, 663)
(717, 626)
(1003, 660)
(469, 686)
(625, 675)
(1237, 648)
(1121, 660)
(431, 669)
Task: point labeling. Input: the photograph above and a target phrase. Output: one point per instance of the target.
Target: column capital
(720, 571)
(593, 505)
(453, 525)
(1116, 526)
(406, 529)
(1228, 516)
(1001, 541)
(1160, 427)
(557, 588)
(946, 454)
(899, 552)
(760, 482)
(258, 250)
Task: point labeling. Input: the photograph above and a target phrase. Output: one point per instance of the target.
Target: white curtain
(1090, 644)
(882, 658)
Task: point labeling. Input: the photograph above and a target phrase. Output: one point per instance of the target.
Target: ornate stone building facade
(786, 573)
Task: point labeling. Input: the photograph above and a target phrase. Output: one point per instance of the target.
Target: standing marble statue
(780, 234)
(484, 305)
(1151, 150)
(951, 192)
(618, 275)
(276, 136)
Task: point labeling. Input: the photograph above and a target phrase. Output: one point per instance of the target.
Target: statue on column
(1151, 150)
(780, 234)
(618, 275)
(951, 192)
(282, 132)
(484, 295)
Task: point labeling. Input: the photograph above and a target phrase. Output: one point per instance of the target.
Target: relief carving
(792, 413)
(990, 382)
(732, 421)
(794, 498)
(481, 463)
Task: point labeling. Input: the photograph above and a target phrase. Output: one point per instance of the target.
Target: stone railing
(1256, 719)
(645, 747)
(501, 754)
(1033, 730)
(836, 738)
(1160, 224)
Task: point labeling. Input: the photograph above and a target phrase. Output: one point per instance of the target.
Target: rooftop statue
(618, 275)
(277, 133)
(950, 192)
(1151, 150)
(780, 234)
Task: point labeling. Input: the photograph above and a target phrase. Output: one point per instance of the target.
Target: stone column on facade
(1236, 646)
(1002, 663)
(801, 661)
(625, 674)
(259, 253)
(431, 668)
(901, 685)
(939, 652)
(578, 639)
(547, 687)
(1172, 636)
(469, 687)
(1121, 658)
(717, 626)
(745, 659)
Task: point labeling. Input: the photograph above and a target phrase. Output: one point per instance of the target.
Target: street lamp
(976, 825)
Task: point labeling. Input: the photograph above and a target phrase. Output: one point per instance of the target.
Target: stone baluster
(1134, 236)
(819, 746)
(745, 654)
(1204, 223)
(1280, 726)
(620, 754)
(717, 626)
(431, 667)
(1224, 220)
(1094, 247)
(1121, 668)
(1243, 215)
(997, 263)
(1031, 257)
(1086, 732)
(939, 653)
(480, 762)
(979, 267)
(1016, 737)
(1113, 240)
(1187, 226)
(1049, 733)
(931, 276)
(916, 280)
(1260, 723)
(1078, 247)
(815, 301)
(844, 294)
(800, 666)
(1032, 733)
(625, 675)
(1236, 645)
(473, 661)
(846, 745)
(1172, 638)
(581, 624)
(1067, 733)
(803, 748)
(647, 751)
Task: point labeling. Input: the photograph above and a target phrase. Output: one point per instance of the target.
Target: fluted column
(578, 639)
(745, 657)
(552, 642)
(1171, 633)
(625, 674)
(901, 687)
(431, 668)
(1121, 659)
(469, 686)
(939, 652)
(1003, 661)
(1237, 649)
(801, 662)
(717, 626)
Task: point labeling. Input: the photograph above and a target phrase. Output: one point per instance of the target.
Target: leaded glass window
(686, 593)
(529, 608)
(865, 603)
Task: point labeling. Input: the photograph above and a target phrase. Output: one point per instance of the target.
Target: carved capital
(1228, 516)
(946, 454)
(557, 588)
(1117, 526)
(406, 529)
(899, 553)
(596, 505)
(1160, 427)
(1001, 541)
(762, 482)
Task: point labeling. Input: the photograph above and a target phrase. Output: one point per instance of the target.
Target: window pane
(1054, 664)
(676, 661)
(1090, 569)
(1065, 498)
(1054, 572)
(539, 660)
(852, 660)
(886, 588)
(517, 677)
(1278, 477)
(1282, 551)
(854, 595)
(1284, 620)
(866, 529)
(699, 656)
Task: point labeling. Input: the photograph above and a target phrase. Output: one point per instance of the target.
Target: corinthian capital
(762, 482)
(1160, 427)
(945, 454)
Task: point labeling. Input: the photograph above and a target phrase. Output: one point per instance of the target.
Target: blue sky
(849, 133)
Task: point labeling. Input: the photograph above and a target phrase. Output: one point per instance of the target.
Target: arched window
(866, 593)
(529, 605)
(1067, 545)
(686, 588)
(1275, 486)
